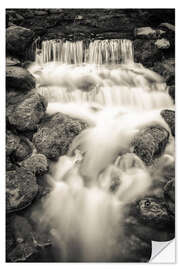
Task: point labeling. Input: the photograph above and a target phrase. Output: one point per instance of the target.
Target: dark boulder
(29, 244)
(169, 193)
(55, 134)
(27, 112)
(37, 163)
(12, 142)
(166, 69)
(150, 218)
(18, 78)
(18, 39)
(21, 189)
(169, 117)
(24, 149)
(150, 143)
(146, 52)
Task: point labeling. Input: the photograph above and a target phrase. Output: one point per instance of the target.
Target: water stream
(100, 84)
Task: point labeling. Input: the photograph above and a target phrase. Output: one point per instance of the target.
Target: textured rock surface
(18, 78)
(87, 23)
(150, 143)
(37, 163)
(169, 117)
(166, 69)
(23, 150)
(27, 243)
(26, 114)
(12, 142)
(55, 135)
(21, 189)
(18, 39)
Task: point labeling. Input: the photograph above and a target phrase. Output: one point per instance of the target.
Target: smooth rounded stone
(37, 163)
(55, 134)
(12, 61)
(25, 115)
(162, 43)
(18, 39)
(167, 26)
(169, 117)
(24, 149)
(21, 228)
(12, 142)
(145, 32)
(150, 143)
(21, 189)
(18, 78)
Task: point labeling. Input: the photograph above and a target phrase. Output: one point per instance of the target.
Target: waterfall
(112, 51)
(101, 84)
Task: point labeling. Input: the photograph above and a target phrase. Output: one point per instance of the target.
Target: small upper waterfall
(112, 51)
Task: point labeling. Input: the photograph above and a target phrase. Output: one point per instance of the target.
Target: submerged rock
(55, 134)
(21, 189)
(150, 143)
(37, 163)
(169, 117)
(26, 114)
(18, 78)
(18, 39)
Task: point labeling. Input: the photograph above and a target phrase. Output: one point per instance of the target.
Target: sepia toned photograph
(90, 134)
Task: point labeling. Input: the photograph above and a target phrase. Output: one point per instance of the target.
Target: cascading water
(101, 85)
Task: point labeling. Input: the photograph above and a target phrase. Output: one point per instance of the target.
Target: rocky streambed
(34, 139)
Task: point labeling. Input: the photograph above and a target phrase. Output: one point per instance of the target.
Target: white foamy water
(117, 101)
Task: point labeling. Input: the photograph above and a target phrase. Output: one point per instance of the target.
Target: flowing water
(99, 83)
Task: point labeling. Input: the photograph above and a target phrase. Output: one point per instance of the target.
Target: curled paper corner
(163, 252)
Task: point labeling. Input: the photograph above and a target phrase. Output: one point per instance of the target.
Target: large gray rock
(166, 69)
(169, 117)
(148, 33)
(21, 189)
(18, 78)
(18, 39)
(26, 114)
(55, 134)
(150, 143)
(37, 163)
(146, 52)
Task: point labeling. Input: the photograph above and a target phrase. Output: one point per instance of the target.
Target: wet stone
(21, 189)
